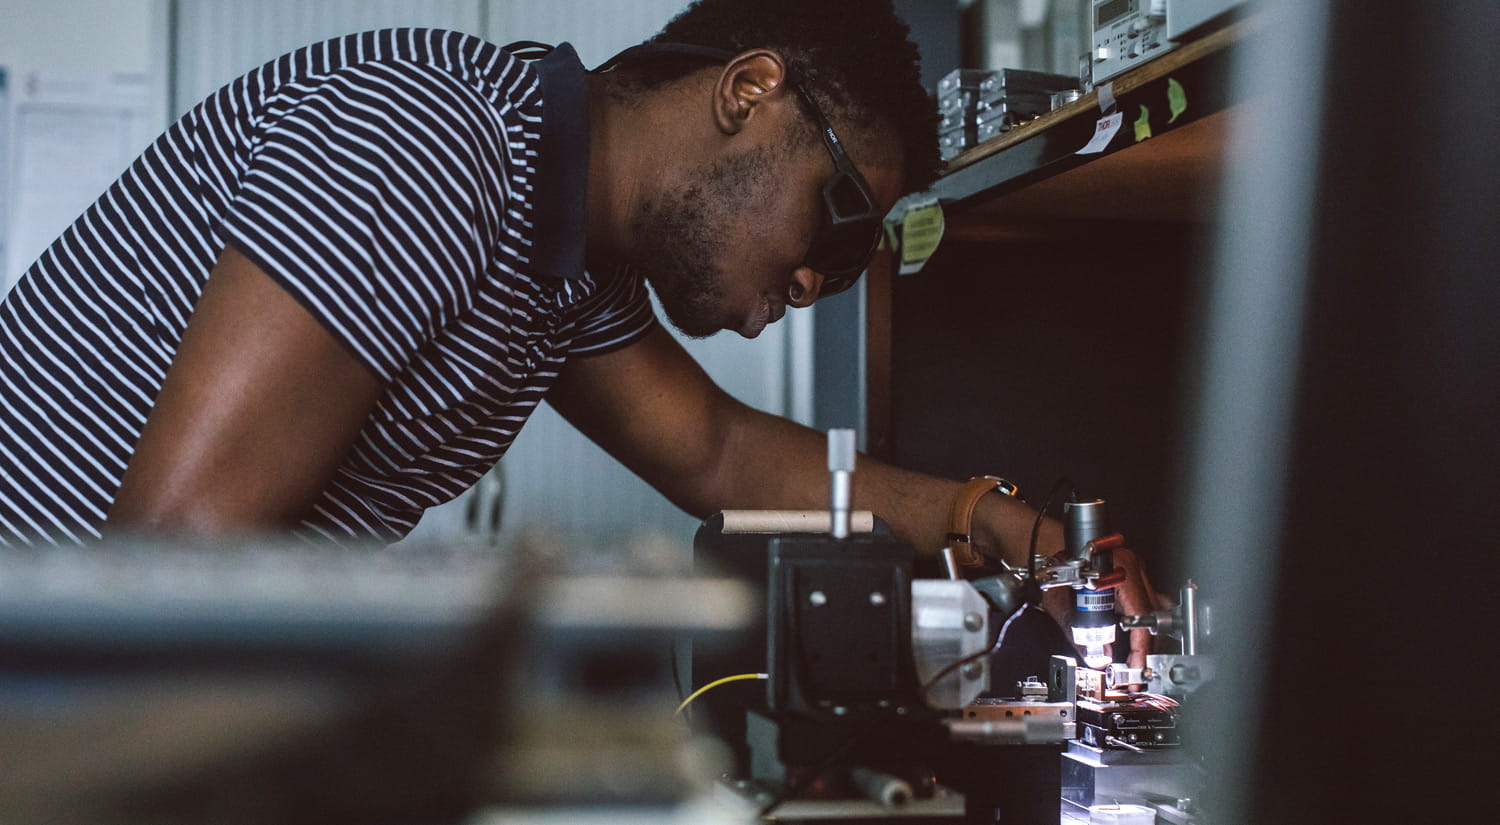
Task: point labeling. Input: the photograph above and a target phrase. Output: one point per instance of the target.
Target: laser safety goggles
(850, 228)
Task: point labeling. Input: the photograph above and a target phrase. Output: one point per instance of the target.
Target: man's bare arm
(652, 406)
(258, 408)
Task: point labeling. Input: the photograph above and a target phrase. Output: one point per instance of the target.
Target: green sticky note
(1143, 125)
(921, 231)
(1176, 99)
(890, 237)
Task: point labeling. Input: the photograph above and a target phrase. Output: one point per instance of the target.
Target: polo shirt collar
(558, 236)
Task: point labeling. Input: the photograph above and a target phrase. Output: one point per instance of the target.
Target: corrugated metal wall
(597, 28)
(217, 40)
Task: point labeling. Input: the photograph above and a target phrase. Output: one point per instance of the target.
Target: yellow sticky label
(1176, 99)
(921, 231)
(1143, 125)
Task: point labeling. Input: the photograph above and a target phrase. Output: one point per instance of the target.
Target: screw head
(817, 598)
(877, 598)
(973, 670)
(973, 622)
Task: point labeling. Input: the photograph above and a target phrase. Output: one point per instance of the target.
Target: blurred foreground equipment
(274, 681)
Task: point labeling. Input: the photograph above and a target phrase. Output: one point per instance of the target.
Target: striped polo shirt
(419, 192)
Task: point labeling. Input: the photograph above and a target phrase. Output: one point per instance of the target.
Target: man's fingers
(1133, 596)
(1141, 642)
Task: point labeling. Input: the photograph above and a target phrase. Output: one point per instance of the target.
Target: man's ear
(750, 79)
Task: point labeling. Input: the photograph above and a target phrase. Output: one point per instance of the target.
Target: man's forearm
(656, 411)
(770, 462)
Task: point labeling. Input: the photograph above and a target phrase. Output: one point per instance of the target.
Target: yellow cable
(711, 685)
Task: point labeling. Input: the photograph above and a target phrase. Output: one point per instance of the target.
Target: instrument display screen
(1105, 12)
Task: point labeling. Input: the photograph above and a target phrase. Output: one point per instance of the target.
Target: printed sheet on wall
(68, 137)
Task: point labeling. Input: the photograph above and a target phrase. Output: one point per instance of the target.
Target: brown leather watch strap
(960, 522)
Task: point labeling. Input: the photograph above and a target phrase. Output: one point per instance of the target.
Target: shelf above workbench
(1032, 174)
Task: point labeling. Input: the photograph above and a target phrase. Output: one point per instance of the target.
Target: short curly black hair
(854, 56)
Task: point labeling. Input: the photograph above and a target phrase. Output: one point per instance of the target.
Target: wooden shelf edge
(1125, 83)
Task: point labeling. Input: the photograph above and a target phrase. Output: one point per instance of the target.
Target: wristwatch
(960, 523)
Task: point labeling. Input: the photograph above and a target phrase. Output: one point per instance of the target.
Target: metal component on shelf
(1126, 34)
(1063, 98)
(977, 104)
(959, 80)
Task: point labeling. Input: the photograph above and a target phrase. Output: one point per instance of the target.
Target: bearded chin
(692, 313)
(678, 237)
(674, 250)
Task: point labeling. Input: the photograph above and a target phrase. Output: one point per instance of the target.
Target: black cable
(1041, 514)
(676, 676)
(1033, 599)
(992, 649)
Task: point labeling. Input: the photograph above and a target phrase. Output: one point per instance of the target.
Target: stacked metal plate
(978, 104)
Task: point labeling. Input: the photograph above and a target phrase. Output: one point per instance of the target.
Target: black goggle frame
(844, 243)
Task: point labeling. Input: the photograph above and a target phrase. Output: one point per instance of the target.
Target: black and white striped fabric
(400, 185)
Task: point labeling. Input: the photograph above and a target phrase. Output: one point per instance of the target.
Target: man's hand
(1134, 597)
(656, 411)
(997, 535)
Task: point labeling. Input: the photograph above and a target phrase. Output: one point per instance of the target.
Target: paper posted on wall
(4, 170)
(68, 137)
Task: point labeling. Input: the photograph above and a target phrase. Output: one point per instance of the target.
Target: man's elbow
(190, 516)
